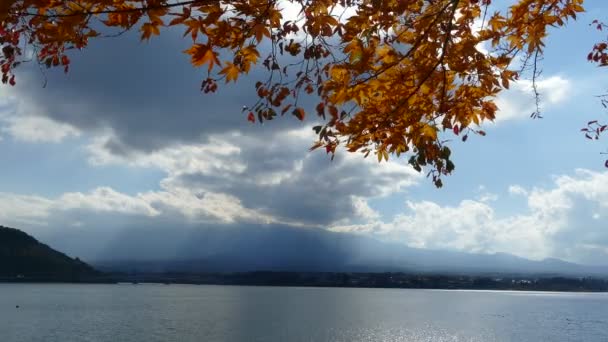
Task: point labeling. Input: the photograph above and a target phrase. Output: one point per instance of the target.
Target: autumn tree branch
(115, 11)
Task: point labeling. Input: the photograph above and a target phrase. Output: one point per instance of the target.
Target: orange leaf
(231, 71)
(149, 29)
(202, 54)
(260, 31)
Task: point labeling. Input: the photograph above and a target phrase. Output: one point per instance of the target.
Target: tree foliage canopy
(389, 76)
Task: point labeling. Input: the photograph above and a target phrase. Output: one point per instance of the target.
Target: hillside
(23, 257)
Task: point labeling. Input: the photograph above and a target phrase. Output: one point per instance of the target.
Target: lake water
(65, 313)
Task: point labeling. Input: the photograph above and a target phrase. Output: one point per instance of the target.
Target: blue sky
(127, 136)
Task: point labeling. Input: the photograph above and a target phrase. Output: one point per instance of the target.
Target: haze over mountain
(251, 248)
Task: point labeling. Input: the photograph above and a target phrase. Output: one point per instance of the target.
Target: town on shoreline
(340, 279)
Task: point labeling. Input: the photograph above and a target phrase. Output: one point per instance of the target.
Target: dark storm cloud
(313, 189)
(147, 93)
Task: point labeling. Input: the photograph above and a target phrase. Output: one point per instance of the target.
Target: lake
(147, 312)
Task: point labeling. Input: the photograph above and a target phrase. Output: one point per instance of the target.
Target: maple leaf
(249, 55)
(260, 31)
(231, 71)
(202, 54)
(149, 29)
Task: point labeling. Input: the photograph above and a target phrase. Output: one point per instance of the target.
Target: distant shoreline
(310, 286)
(538, 283)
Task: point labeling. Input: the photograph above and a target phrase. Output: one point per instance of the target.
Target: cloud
(363, 210)
(176, 204)
(105, 199)
(123, 90)
(131, 110)
(23, 209)
(39, 129)
(204, 207)
(518, 102)
(281, 182)
(26, 121)
(241, 178)
(517, 190)
(485, 196)
(566, 220)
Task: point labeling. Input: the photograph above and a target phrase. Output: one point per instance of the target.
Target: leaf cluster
(390, 77)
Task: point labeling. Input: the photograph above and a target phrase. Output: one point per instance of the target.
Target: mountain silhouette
(24, 257)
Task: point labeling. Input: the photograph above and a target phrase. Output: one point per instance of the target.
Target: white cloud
(23, 209)
(105, 199)
(215, 156)
(203, 207)
(27, 122)
(485, 196)
(38, 129)
(563, 221)
(362, 208)
(517, 190)
(519, 102)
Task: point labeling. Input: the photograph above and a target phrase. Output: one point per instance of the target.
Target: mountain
(278, 248)
(23, 257)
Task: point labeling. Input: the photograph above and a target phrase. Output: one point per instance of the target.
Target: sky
(127, 139)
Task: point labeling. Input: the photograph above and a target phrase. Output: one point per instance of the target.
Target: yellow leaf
(231, 71)
(249, 56)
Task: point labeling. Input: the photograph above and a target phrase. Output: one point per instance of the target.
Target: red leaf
(299, 113)
(321, 109)
(251, 117)
(456, 129)
(12, 80)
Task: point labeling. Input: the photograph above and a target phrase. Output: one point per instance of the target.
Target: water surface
(129, 313)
